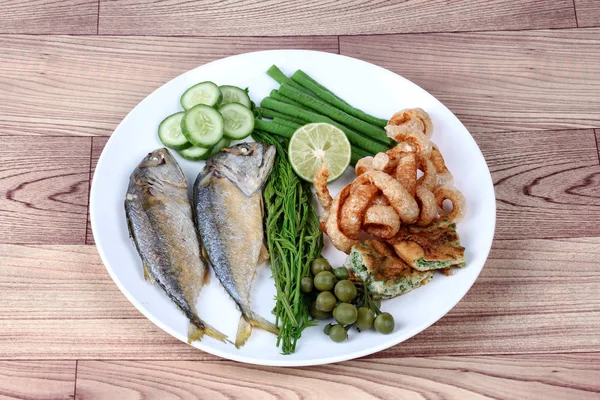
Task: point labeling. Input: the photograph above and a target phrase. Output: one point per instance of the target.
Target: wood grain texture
(546, 183)
(98, 144)
(64, 85)
(43, 189)
(40, 380)
(533, 296)
(49, 17)
(506, 377)
(285, 18)
(70, 279)
(499, 81)
(588, 13)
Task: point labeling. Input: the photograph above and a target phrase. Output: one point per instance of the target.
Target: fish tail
(196, 331)
(249, 320)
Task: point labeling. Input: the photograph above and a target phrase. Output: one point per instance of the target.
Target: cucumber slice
(169, 132)
(195, 153)
(239, 120)
(202, 125)
(221, 144)
(206, 93)
(233, 94)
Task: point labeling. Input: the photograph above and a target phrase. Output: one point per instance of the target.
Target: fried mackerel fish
(159, 218)
(385, 274)
(433, 247)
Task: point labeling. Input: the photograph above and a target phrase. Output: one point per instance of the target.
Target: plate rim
(385, 344)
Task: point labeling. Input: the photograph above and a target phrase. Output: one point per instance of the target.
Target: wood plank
(588, 13)
(86, 85)
(49, 17)
(71, 279)
(38, 380)
(546, 183)
(499, 81)
(523, 302)
(43, 189)
(276, 18)
(98, 144)
(506, 377)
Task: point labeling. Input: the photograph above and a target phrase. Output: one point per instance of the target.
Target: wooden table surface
(523, 76)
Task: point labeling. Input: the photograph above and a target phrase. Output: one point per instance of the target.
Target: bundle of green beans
(293, 240)
(301, 100)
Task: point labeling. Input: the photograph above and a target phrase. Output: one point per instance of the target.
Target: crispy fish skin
(159, 217)
(228, 209)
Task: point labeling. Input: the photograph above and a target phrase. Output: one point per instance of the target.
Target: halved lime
(313, 144)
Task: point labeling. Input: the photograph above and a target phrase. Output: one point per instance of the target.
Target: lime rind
(315, 143)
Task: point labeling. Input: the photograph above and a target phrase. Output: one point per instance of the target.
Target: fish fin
(147, 275)
(197, 332)
(243, 332)
(249, 320)
(263, 255)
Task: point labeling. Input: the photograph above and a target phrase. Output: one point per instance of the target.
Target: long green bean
(306, 82)
(354, 137)
(278, 96)
(275, 73)
(286, 122)
(372, 131)
(267, 113)
(272, 127)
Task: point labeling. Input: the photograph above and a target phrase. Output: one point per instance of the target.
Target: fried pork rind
(386, 200)
(354, 208)
(429, 209)
(381, 221)
(399, 198)
(332, 227)
(385, 274)
(429, 178)
(444, 177)
(456, 198)
(381, 161)
(406, 172)
(413, 114)
(412, 134)
(412, 125)
(380, 200)
(434, 247)
(322, 192)
(363, 165)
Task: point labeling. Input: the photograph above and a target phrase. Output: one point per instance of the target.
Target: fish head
(157, 167)
(247, 165)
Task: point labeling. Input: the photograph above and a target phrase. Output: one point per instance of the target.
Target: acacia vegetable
(294, 240)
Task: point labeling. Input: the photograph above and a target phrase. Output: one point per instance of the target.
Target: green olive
(345, 290)
(318, 265)
(345, 313)
(318, 314)
(306, 284)
(327, 329)
(324, 280)
(325, 302)
(338, 334)
(365, 318)
(341, 273)
(384, 323)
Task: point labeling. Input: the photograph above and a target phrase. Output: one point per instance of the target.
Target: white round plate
(366, 86)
